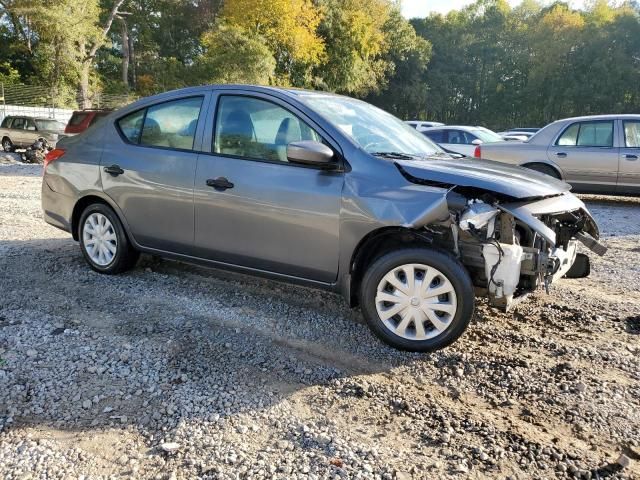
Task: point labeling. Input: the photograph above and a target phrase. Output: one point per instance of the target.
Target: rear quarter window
(6, 123)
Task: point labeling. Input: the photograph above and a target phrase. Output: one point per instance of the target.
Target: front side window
(632, 134)
(588, 134)
(18, 124)
(435, 135)
(257, 129)
(30, 124)
(459, 137)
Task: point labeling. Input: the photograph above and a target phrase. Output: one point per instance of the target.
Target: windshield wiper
(396, 155)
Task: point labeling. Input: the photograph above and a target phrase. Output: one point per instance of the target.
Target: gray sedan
(595, 154)
(321, 190)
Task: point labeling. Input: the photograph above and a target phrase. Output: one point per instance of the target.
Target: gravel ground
(174, 371)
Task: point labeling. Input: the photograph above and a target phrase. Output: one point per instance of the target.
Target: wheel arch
(548, 164)
(91, 198)
(377, 243)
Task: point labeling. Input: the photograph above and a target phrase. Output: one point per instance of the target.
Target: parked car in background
(82, 119)
(530, 130)
(22, 132)
(595, 154)
(516, 136)
(317, 189)
(461, 139)
(421, 125)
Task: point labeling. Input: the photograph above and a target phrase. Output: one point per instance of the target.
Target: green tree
(289, 28)
(233, 55)
(353, 32)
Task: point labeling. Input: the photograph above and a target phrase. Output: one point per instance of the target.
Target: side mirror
(477, 141)
(309, 152)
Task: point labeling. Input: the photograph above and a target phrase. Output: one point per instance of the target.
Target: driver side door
(255, 209)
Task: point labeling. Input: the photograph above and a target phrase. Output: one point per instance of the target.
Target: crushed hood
(516, 182)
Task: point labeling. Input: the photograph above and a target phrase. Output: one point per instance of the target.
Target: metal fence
(36, 100)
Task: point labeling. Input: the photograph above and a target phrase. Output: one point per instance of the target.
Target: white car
(420, 126)
(461, 139)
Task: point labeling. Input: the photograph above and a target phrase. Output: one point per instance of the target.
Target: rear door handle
(220, 183)
(561, 154)
(114, 170)
(631, 157)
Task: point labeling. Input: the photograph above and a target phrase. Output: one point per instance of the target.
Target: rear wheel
(417, 299)
(7, 146)
(546, 169)
(103, 241)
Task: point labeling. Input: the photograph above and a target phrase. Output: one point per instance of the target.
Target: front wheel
(104, 242)
(417, 299)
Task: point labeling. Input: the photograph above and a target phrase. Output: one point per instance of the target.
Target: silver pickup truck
(22, 132)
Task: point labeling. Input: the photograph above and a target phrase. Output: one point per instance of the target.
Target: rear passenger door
(629, 161)
(255, 209)
(150, 172)
(587, 153)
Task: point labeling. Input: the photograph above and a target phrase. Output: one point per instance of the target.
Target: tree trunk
(126, 54)
(90, 55)
(85, 95)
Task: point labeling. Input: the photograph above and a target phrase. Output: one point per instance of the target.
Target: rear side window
(77, 119)
(172, 124)
(588, 134)
(632, 134)
(6, 123)
(169, 125)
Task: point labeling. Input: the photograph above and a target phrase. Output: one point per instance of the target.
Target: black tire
(449, 266)
(7, 146)
(125, 256)
(543, 168)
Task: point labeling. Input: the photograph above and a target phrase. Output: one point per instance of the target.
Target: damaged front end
(513, 248)
(510, 242)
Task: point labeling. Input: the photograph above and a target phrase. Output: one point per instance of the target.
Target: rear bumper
(57, 209)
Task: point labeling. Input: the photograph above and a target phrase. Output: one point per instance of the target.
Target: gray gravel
(175, 371)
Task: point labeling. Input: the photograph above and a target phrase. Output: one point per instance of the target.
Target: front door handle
(219, 183)
(561, 154)
(631, 157)
(114, 170)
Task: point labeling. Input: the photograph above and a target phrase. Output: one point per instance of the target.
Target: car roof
(32, 118)
(289, 91)
(611, 116)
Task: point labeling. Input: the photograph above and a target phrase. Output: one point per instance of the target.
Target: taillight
(477, 153)
(53, 155)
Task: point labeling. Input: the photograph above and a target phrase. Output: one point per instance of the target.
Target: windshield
(373, 129)
(486, 135)
(49, 125)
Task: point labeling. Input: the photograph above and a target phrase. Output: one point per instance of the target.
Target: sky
(421, 8)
